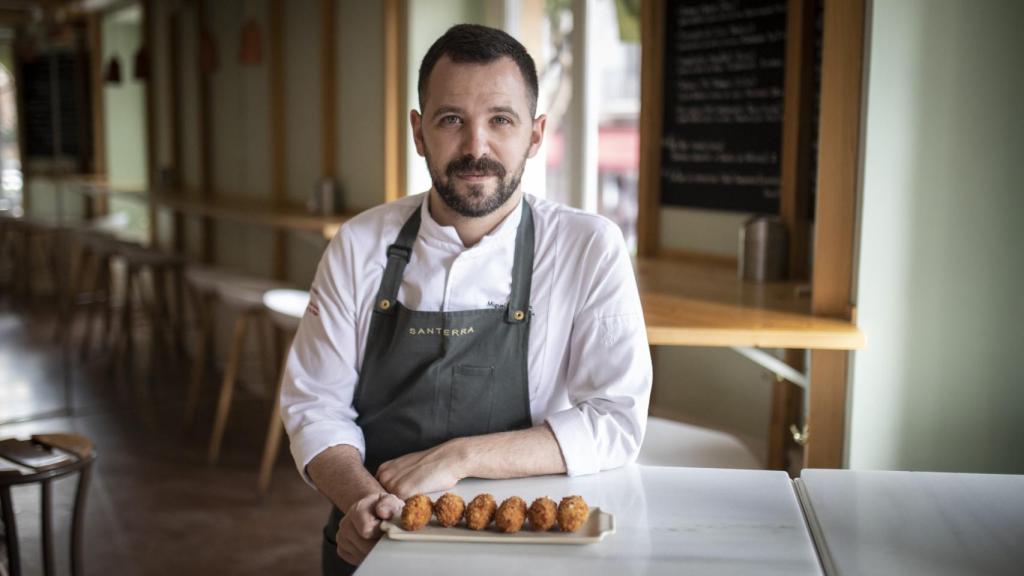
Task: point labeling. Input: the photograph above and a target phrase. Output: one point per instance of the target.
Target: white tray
(599, 524)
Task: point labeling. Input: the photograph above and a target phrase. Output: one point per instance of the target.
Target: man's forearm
(339, 474)
(516, 454)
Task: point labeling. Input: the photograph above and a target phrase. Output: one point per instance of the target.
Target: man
(468, 331)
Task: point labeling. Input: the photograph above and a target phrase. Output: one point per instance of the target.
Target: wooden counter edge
(850, 338)
(253, 214)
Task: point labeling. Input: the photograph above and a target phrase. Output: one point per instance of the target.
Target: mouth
(474, 176)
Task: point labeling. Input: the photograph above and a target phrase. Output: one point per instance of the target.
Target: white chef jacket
(589, 363)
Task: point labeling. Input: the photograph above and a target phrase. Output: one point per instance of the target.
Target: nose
(475, 140)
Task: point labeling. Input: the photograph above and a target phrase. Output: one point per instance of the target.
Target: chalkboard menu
(723, 102)
(54, 91)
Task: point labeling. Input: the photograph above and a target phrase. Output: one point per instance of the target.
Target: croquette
(542, 514)
(511, 515)
(480, 512)
(572, 513)
(417, 512)
(448, 509)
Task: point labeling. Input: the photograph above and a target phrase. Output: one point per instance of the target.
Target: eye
(450, 120)
(502, 120)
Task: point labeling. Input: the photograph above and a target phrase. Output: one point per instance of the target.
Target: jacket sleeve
(609, 372)
(320, 374)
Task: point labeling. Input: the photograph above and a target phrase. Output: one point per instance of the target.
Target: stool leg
(78, 519)
(124, 345)
(204, 322)
(75, 280)
(47, 526)
(143, 385)
(126, 316)
(177, 276)
(227, 387)
(106, 275)
(273, 441)
(11, 531)
(163, 323)
(152, 307)
(93, 266)
(266, 362)
(61, 281)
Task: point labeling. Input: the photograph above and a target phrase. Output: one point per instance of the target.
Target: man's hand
(359, 529)
(530, 452)
(438, 468)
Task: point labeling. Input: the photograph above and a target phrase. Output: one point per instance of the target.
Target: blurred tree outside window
(614, 46)
(10, 159)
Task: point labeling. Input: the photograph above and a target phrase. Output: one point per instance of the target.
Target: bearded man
(469, 331)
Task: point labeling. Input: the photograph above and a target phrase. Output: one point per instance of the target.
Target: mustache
(482, 165)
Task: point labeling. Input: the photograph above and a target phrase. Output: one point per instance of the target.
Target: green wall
(939, 386)
(124, 114)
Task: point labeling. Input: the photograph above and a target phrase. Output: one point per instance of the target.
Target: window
(588, 60)
(10, 158)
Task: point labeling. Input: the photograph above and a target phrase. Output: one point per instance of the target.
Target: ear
(537, 135)
(416, 120)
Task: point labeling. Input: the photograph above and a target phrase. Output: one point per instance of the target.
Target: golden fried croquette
(572, 513)
(510, 515)
(542, 514)
(480, 512)
(416, 512)
(449, 509)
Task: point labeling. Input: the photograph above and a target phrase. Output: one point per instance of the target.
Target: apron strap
(518, 309)
(399, 254)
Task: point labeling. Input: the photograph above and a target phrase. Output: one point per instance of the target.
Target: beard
(475, 201)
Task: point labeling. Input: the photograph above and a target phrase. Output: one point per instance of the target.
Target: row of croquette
(570, 514)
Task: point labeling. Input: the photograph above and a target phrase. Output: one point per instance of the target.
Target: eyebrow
(446, 110)
(443, 110)
(506, 110)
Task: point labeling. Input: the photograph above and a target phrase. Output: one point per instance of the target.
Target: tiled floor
(154, 506)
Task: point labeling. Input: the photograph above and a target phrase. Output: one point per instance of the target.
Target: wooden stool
(246, 298)
(160, 266)
(201, 282)
(26, 240)
(285, 309)
(91, 282)
(42, 459)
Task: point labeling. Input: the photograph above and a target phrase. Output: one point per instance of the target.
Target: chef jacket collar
(446, 237)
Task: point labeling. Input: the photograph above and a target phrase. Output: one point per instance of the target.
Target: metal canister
(764, 250)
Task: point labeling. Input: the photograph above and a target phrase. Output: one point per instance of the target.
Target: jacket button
(519, 315)
(384, 304)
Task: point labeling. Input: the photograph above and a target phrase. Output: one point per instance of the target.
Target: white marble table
(906, 523)
(668, 521)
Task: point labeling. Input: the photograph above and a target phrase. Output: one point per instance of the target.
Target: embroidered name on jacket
(440, 331)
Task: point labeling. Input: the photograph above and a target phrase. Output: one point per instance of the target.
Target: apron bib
(428, 377)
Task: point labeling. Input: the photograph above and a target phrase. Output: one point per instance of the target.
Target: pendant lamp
(250, 51)
(112, 75)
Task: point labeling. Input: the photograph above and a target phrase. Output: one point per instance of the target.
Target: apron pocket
(469, 410)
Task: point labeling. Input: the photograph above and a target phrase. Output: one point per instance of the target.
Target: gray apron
(428, 377)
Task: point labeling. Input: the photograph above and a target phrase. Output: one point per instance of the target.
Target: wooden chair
(41, 460)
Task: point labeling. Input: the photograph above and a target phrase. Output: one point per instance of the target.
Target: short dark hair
(472, 43)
